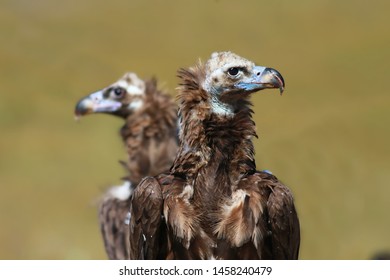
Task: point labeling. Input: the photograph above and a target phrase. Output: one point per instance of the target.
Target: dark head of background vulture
(214, 204)
(150, 137)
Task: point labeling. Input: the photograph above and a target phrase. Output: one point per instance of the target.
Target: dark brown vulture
(214, 204)
(150, 137)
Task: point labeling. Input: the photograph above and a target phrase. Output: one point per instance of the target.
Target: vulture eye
(233, 71)
(118, 92)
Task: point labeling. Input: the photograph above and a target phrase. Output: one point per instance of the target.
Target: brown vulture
(150, 137)
(213, 203)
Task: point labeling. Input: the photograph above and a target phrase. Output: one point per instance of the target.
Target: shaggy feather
(216, 205)
(149, 135)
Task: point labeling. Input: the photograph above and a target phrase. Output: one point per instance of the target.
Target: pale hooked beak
(96, 103)
(262, 78)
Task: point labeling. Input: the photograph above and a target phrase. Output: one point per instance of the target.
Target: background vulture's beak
(96, 103)
(262, 78)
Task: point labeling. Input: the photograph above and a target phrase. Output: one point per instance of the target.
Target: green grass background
(327, 137)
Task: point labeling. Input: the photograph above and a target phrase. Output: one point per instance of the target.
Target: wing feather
(284, 223)
(271, 217)
(145, 220)
(113, 214)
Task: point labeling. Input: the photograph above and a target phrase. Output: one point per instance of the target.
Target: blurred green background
(327, 137)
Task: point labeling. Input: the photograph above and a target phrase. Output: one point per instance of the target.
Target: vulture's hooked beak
(262, 78)
(96, 103)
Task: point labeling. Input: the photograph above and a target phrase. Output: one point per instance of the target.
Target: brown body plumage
(213, 204)
(150, 138)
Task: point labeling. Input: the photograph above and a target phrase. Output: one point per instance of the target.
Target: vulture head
(229, 78)
(122, 98)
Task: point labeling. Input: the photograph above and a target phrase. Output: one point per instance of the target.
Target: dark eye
(233, 71)
(118, 91)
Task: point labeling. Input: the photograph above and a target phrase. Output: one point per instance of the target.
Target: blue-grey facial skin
(261, 78)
